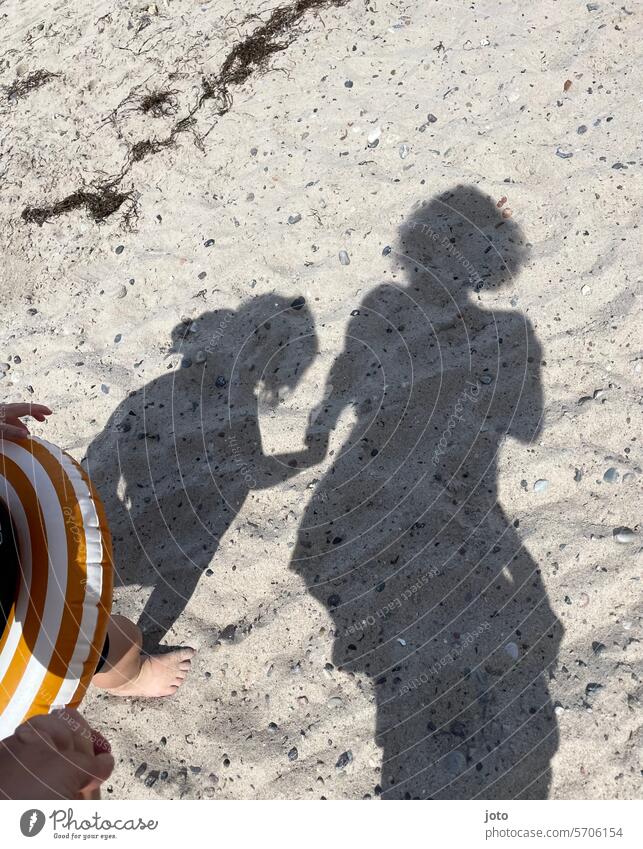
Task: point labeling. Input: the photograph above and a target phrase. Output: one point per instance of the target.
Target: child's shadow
(178, 457)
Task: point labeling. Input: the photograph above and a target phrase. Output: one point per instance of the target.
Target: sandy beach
(214, 246)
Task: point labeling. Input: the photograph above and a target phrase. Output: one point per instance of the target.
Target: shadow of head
(461, 240)
(268, 342)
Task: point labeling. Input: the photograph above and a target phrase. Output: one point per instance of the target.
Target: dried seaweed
(158, 104)
(249, 56)
(21, 87)
(100, 204)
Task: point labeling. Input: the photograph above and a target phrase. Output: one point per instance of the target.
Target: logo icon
(32, 822)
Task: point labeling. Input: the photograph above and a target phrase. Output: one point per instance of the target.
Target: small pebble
(559, 710)
(611, 475)
(593, 688)
(563, 154)
(335, 702)
(294, 219)
(122, 292)
(228, 633)
(582, 129)
(141, 769)
(431, 118)
(404, 151)
(293, 754)
(202, 275)
(624, 535)
(298, 303)
(119, 249)
(344, 258)
(585, 289)
(455, 762)
(104, 389)
(200, 357)
(209, 243)
(186, 362)
(152, 778)
(387, 250)
(349, 84)
(512, 650)
(486, 379)
(373, 137)
(220, 382)
(17, 360)
(117, 338)
(583, 600)
(32, 311)
(344, 760)
(541, 485)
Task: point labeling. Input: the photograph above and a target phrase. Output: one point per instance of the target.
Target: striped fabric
(56, 628)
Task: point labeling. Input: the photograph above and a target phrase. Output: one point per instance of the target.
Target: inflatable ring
(56, 628)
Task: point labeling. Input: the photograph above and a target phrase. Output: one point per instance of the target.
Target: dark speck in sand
(141, 770)
(209, 243)
(120, 249)
(227, 635)
(293, 754)
(220, 382)
(298, 303)
(152, 778)
(343, 760)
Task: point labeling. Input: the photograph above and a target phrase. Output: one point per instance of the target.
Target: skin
(10, 415)
(129, 672)
(56, 756)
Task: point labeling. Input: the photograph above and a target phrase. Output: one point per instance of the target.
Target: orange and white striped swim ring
(56, 628)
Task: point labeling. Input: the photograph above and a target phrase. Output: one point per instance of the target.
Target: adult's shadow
(432, 594)
(178, 457)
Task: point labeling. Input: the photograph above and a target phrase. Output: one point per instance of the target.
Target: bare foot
(160, 675)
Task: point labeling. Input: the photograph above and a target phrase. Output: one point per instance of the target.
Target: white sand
(494, 78)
